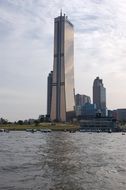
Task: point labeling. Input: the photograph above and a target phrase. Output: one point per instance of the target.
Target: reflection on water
(62, 161)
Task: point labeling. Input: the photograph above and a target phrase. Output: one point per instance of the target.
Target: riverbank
(53, 127)
(50, 126)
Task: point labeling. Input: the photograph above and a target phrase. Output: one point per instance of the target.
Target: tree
(3, 121)
(20, 122)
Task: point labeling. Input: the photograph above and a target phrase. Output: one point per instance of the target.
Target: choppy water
(62, 161)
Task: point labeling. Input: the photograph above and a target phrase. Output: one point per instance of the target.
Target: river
(62, 161)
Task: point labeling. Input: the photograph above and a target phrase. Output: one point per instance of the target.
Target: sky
(26, 51)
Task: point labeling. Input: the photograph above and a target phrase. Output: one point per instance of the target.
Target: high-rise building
(99, 96)
(49, 92)
(63, 103)
(81, 99)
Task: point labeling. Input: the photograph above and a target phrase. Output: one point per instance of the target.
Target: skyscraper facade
(81, 99)
(49, 92)
(99, 96)
(62, 104)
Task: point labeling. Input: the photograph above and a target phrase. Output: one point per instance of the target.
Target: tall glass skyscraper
(99, 96)
(63, 103)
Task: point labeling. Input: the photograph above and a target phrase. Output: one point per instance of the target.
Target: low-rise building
(98, 124)
(121, 114)
(86, 110)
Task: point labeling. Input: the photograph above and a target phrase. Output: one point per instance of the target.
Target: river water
(62, 161)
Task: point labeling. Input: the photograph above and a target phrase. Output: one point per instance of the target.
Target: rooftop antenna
(61, 12)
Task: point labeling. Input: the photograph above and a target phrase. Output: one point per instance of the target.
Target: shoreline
(53, 127)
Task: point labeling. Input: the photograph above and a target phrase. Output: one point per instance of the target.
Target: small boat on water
(110, 131)
(31, 130)
(123, 133)
(6, 130)
(2, 130)
(82, 130)
(72, 131)
(98, 131)
(45, 130)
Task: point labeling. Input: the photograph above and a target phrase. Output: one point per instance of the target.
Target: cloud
(26, 51)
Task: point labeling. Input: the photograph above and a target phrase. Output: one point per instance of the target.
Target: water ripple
(62, 161)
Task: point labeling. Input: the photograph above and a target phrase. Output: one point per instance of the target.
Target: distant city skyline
(26, 52)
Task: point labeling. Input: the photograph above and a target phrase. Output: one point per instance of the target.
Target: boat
(98, 131)
(72, 131)
(45, 130)
(109, 130)
(2, 130)
(6, 130)
(123, 133)
(31, 130)
(82, 130)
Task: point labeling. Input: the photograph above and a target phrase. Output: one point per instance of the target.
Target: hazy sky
(26, 51)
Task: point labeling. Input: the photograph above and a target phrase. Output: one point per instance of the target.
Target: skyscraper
(99, 96)
(62, 104)
(81, 99)
(49, 92)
